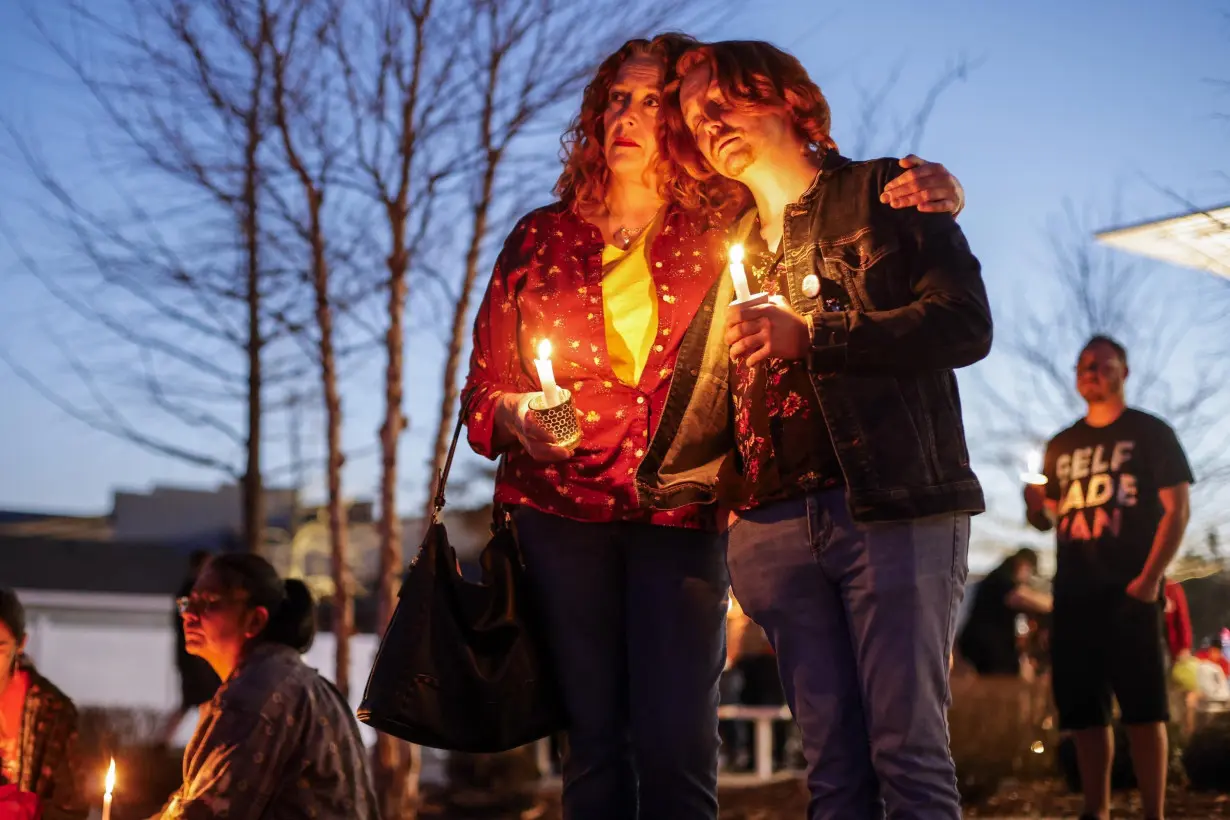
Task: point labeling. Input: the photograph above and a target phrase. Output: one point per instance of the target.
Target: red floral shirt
(547, 284)
(783, 442)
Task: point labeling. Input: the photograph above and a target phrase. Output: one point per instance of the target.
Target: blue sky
(1092, 102)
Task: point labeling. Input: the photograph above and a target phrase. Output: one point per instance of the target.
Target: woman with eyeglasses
(277, 740)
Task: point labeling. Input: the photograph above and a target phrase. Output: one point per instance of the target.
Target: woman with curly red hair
(633, 600)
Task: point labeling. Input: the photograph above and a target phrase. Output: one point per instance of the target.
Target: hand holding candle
(743, 294)
(737, 274)
(553, 409)
(1033, 469)
(546, 375)
(109, 785)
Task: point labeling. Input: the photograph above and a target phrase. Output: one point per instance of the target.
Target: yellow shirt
(630, 306)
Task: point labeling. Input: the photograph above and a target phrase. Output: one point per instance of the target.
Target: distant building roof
(1199, 239)
(50, 525)
(90, 566)
(16, 516)
(205, 516)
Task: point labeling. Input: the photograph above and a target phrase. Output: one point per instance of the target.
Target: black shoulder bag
(462, 666)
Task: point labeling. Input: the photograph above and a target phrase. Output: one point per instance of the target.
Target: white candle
(110, 784)
(546, 375)
(742, 293)
(1033, 469)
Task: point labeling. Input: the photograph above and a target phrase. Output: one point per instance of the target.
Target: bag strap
(500, 515)
(442, 476)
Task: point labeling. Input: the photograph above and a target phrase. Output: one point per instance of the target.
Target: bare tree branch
(112, 422)
(181, 87)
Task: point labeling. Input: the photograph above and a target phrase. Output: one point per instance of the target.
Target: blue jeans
(635, 616)
(862, 620)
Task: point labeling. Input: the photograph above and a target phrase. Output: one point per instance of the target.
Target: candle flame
(1033, 469)
(544, 349)
(736, 254)
(1037, 747)
(110, 782)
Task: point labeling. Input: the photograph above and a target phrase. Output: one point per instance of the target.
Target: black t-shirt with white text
(1106, 482)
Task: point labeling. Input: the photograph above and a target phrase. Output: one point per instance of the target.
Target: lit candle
(1033, 469)
(742, 293)
(546, 375)
(110, 784)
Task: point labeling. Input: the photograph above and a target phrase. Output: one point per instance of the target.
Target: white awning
(1200, 239)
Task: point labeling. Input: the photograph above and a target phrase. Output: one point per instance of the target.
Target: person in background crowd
(1178, 622)
(989, 640)
(197, 680)
(1179, 646)
(1212, 678)
(38, 724)
(750, 656)
(1117, 494)
(1215, 654)
(277, 741)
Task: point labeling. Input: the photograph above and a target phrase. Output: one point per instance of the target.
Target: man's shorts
(1108, 644)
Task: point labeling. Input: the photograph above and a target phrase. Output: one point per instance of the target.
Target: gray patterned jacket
(276, 742)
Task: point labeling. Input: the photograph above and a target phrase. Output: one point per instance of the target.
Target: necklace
(625, 237)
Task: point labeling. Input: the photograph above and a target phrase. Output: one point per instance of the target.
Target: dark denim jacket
(882, 369)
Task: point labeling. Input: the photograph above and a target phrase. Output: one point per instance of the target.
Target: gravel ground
(787, 800)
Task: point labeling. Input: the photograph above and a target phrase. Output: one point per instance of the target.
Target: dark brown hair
(1025, 555)
(751, 75)
(292, 612)
(12, 613)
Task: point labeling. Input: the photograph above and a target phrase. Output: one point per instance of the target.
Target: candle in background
(109, 784)
(546, 375)
(1033, 469)
(742, 293)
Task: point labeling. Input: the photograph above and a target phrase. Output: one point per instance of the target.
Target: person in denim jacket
(827, 421)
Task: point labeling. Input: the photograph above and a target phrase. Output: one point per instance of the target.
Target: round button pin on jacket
(811, 286)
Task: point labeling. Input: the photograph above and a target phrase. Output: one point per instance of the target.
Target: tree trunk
(396, 762)
(461, 311)
(313, 191)
(394, 422)
(389, 750)
(343, 605)
(253, 489)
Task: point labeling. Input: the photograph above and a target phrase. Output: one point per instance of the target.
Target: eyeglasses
(199, 604)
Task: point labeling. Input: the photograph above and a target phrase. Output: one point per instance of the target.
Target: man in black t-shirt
(1117, 495)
